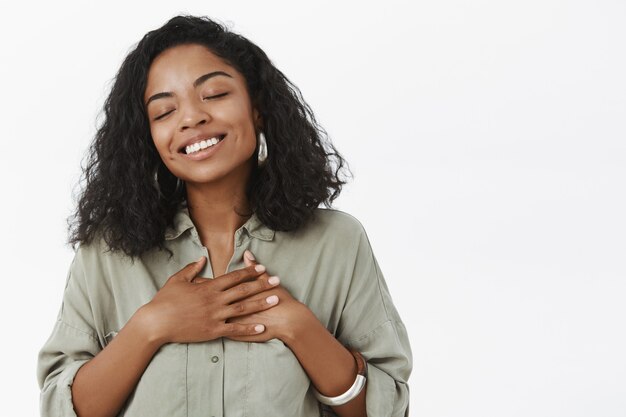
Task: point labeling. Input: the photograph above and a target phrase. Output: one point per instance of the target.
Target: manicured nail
(273, 280)
(259, 268)
(259, 328)
(272, 299)
(249, 255)
(200, 260)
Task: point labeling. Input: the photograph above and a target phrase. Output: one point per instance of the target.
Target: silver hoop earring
(262, 156)
(156, 181)
(179, 184)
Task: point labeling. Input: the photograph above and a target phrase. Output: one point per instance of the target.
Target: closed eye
(212, 97)
(204, 98)
(163, 115)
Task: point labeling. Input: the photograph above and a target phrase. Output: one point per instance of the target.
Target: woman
(207, 280)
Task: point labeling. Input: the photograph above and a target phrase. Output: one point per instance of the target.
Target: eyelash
(203, 98)
(217, 96)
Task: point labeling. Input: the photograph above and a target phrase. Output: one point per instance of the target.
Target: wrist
(146, 325)
(305, 322)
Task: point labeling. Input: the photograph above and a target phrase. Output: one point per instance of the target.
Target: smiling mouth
(201, 145)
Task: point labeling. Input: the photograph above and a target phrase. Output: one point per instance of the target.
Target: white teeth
(203, 144)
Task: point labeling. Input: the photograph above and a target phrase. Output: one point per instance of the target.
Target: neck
(214, 207)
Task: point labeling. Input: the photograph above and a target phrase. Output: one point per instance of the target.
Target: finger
(238, 276)
(258, 338)
(243, 308)
(189, 272)
(248, 288)
(243, 338)
(248, 258)
(241, 329)
(200, 280)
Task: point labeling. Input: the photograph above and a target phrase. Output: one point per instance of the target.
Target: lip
(204, 153)
(198, 138)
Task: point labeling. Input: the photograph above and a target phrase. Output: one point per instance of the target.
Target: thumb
(189, 272)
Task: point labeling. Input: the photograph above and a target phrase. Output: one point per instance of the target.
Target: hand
(281, 321)
(194, 309)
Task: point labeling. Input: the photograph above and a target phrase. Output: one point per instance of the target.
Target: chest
(220, 252)
(219, 256)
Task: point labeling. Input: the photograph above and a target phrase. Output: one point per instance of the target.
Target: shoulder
(337, 220)
(97, 257)
(332, 225)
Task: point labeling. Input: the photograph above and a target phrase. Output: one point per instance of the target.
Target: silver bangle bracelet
(352, 392)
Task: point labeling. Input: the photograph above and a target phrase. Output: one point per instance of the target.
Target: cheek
(160, 138)
(244, 121)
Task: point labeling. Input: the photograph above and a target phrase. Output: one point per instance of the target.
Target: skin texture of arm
(329, 365)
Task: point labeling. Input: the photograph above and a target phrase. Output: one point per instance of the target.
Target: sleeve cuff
(385, 397)
(380, 392)
(56, 400)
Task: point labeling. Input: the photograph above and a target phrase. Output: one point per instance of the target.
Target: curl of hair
(130, 197)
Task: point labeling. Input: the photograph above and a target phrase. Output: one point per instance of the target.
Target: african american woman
(207, 280)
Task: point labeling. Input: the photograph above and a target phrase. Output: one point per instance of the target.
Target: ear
(258, 122)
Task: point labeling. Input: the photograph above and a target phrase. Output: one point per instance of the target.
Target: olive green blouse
(327, 264)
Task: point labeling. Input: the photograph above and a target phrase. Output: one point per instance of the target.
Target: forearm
(330, 366)
(103, 384)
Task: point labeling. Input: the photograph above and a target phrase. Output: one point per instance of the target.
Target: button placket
(217, 380)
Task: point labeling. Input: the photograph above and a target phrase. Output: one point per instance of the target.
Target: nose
(193, 115)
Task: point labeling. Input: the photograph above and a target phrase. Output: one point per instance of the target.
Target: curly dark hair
(121, 201)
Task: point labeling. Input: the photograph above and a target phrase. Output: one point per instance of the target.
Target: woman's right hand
(187, 310)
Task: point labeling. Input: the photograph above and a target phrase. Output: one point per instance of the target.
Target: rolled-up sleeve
(371, 324)
(388, 355)
(73, 343)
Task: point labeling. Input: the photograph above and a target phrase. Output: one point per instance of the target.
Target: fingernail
(259, 328)
(259, 268)
(249, 255)
(200, 260)
(272, 299)
(273, 280)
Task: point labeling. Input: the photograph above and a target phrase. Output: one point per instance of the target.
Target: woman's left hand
(281, 321)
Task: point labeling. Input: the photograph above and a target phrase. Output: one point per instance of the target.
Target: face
(194, 98)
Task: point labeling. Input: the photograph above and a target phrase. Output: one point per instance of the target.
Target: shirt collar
(182, 222)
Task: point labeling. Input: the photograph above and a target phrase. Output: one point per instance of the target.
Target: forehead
(179, 66)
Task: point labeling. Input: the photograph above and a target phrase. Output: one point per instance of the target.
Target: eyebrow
(196, 83)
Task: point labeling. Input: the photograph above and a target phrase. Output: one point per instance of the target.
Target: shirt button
(215, 359)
